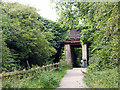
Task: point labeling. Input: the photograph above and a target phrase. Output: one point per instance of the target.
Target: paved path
(73, 79)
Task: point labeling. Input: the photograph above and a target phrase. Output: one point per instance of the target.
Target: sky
(44, 6)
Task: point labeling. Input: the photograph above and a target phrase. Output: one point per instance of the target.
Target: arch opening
(76, 55)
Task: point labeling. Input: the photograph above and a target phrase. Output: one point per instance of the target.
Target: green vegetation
(20, 32)
(30, 40)
(28, 37)
(102, 79)
(102, 30)
(78, 52)
(40, 79)
(49, 79)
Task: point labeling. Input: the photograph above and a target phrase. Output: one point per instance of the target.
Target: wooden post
(32, 69)
(15, 74)
(50, 67)
(47, 67)
(23, 74)
(65, 63)
(39, 68)
(43, 67)
(61, 65)
(58, 66)
(3, 77)
(53, 66)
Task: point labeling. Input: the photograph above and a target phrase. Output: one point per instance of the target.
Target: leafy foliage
(102, 79)
(40, 79)
(102, 21)
(55, 34)
(78, 52)
(30, 37)
(22, 33)
(8, 63)
(103, 33)
(57, 31)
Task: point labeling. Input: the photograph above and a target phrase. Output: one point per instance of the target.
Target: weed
(102, 79)
(36, 79)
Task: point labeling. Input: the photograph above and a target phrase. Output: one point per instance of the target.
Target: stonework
(84, 52)
(68, 54)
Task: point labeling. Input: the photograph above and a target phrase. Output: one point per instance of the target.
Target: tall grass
(102, 79)
(37, 79)
(47, 79)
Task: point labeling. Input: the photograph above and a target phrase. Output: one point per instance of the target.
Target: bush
(37, 79)
(23, 36)
(45, 79)
(8, 62)
(102, 79)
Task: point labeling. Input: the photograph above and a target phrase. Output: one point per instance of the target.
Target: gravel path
(73, 79)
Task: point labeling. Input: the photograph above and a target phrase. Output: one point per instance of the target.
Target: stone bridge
(69, 46)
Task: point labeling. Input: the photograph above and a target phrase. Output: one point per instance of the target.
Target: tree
(55, 35)
(23, 34)
(102, 21)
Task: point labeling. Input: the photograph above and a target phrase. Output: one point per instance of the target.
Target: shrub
(36, 79)
(102, 79)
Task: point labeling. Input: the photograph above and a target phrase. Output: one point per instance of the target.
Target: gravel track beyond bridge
(73, 79)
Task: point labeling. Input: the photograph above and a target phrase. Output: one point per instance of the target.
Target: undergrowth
(102, 79)
(37, 79)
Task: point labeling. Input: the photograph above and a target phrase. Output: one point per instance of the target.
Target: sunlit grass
(102, 79)
(38, 79)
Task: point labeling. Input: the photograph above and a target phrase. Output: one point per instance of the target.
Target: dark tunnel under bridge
(70, 55)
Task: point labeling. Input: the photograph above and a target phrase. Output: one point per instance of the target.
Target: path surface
(73, 79)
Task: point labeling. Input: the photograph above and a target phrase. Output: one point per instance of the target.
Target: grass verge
(102, 79)
(49, 79)
(41, 79)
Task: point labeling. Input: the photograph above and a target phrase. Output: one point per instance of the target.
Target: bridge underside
(70, 54)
